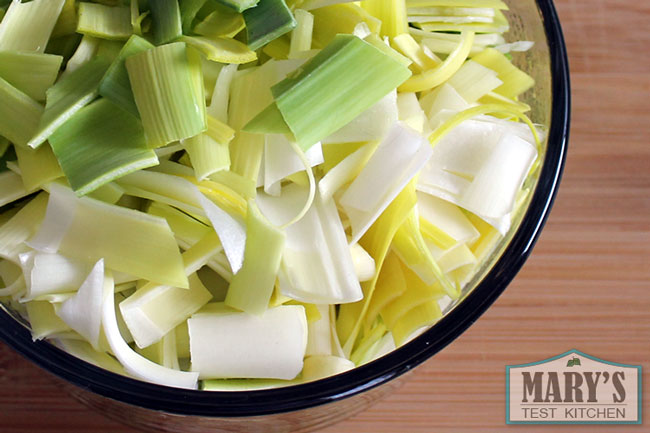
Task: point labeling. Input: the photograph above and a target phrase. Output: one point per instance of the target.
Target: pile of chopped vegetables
(239, 194)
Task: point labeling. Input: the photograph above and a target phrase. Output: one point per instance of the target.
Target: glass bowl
(317, 404)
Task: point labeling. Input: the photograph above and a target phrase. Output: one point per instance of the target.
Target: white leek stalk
(270, 346)
(396, 161)
(129, 241)
(83, 312)
(319, 367)
(135, 364)
(52, 273)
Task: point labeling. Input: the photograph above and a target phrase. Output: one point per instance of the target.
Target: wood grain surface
(586, 286)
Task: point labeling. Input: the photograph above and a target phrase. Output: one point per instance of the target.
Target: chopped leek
(104, 22)
(340, 19)
(99, 144)
(221, 95)
(133, 363)
(301, 36)
(267, 21)
(188, 10)
(223, 22)
(391, 285)
(209, 152)
(68, 96)
(224, 50)
(161, 80)
(267, 182)
(129, 241)
(392, 15)
(371, 125)
(317, 264)
(515, 81)
(31, 73)
(252, 286)
(279, 333)
(364, 200)
(239, 5)
(19, 114)
(43, 320)
(51, 273)
(82, 312)
(153, 311)
(473, 81)
(410, 246)
(377, 242)
(21, 227)
(438, 75)
(280, 160)
(11, 187)
(308, 99)
(166, 17)
(87, 49)
(319, 367)
(319, 335)
(115, 84)
(27, 26)
(66, 24)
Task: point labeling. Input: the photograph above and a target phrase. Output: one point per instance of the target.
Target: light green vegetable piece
(99, 144)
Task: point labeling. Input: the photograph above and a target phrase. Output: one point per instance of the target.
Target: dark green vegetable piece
(166, 17)
(116, 85)
(267, 21)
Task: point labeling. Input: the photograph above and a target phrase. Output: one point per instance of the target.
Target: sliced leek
(129, 241)
(283, 350)
(209, 152)
(219, 49)
(21, 227)
(99, 144)
(104, 22)
(152, 312)
(19, 114)
(267, 21)
(68, 96)
(252, 286)
(31, 73)
(307, 103)
(435, 77)
(167, 23)
(27, 26)
(135, 364)
(115, 84)
(250, 208)
(161, 80)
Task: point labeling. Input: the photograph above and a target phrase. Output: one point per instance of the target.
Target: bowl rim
(366, 377)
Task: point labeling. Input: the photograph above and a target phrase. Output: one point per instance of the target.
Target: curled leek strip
(435, 77)
(312, 185)
(462, 116)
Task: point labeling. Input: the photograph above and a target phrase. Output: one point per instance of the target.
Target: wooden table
(586, 286)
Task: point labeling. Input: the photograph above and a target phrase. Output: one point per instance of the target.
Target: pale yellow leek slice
(392, 15)
(391, 284)
(435, 77)
(43, 320)
(252, 286)
(21, 227)
(377, 242)
(153, 311)
(422, 61)
(223, 50)
(419, 317)
(129, 241)
(416, 294)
